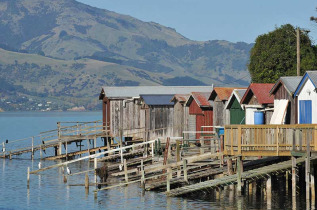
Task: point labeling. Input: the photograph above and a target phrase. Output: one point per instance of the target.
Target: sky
(230, 20)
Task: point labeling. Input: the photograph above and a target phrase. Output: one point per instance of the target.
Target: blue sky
(230, 20)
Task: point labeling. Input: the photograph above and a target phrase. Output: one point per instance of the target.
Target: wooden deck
(232, 179)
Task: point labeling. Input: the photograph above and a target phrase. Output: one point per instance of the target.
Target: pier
(178, 166)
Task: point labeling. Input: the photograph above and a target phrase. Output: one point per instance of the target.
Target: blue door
(305, 112)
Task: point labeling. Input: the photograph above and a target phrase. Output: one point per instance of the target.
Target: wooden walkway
(232, 179)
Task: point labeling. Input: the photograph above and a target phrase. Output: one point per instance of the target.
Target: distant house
(306, 93)
(159, 114)
(220, 96)
(236, 110)
(285, 103)
(258, 103)
(200, 113)
(122, 106)
(181, 114)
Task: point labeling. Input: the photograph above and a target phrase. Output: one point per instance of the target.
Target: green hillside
(65, 50)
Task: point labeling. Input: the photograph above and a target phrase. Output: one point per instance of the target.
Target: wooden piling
(125, 170)
(294, 177)
(312, 184)
(152, 150)
(142, 175)
(32, 154)
(239, 170)
(86, 181)
(88, 146)
(185, 170)
(202, 144)
(168, 179)
(28, 177)
(178, 158)
(269, 192)
(95, 167)
(229, 165)
(307, 170)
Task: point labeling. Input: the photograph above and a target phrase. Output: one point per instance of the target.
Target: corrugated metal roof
(136, 91)
(156, 100)
(223, 93)
(290, 83)
(201, 98)
(313, 76)
(261, 92)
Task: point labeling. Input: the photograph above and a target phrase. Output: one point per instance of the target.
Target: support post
(312, 184)
(269, 192)
(239, 169)
(88, 146)
(59, 151)
(86, 181)
(28, 178)
(168, 179)
(125, 170)
(178, 158)
(307, 168)
(121, 155)
(142, 176)
(152, 150)
(95, 167)
(185, 170)
(66, 151)
(202, 144)
(294, 178)
(229, 165)
(32, 155)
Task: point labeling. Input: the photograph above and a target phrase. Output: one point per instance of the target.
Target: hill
(66, 50)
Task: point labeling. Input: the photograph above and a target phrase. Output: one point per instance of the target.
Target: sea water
(48, 191)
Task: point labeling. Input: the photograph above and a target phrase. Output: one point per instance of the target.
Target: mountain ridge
(132, 51)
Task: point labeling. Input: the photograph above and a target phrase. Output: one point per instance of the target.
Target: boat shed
(258, 103)
(122, 106)
(220, 96)
(236, 110)
(285, 103)
(181, 114)
(200, 113)
(159, 114)
(306, 93)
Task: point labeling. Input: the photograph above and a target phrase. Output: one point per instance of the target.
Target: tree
(274, 55)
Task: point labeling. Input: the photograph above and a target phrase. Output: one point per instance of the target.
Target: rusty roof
(223, 93)
(201, 99)
(261, 92)
(182, 98)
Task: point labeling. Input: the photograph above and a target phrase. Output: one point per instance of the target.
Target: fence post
(95, 167)
(142, 175)
(32, 155)
(28, 178)
(185, 170)
(178, 158)
(125, 170)
(239, 139)
(168, 179)
(59, 138)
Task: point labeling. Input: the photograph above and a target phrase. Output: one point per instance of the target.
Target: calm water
(47, 191)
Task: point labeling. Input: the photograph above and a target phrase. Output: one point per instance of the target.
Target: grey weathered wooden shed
(122, 106)
(159, 114)
(181, 114)
(285, 88)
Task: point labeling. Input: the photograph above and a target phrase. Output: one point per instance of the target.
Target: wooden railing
(269, 140)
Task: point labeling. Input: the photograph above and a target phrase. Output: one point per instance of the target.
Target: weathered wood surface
(268, 140)
(232, 179)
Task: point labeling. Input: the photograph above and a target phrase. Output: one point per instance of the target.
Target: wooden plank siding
(282, 93)
(161, 121)
(218, 113)
(204, 117)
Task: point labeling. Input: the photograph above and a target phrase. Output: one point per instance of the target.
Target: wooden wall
(218, 112)
(161, 121)
(179, 119)
(126, 115)
(281, 93)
